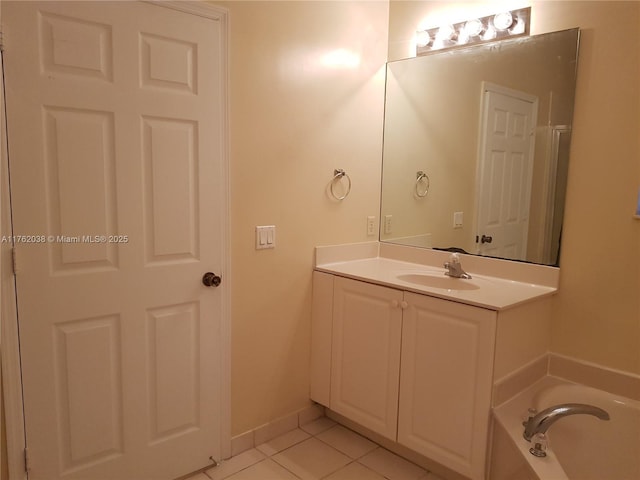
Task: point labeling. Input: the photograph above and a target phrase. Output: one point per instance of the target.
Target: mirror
(476, 147)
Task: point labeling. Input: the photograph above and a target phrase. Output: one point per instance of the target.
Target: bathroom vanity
(407, 352)
(402, 352)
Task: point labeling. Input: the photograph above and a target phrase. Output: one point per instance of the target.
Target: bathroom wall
(306, 97)
(596, 313)
(596, 316)
(306, 93)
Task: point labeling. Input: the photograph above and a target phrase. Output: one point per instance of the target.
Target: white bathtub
(581, 447)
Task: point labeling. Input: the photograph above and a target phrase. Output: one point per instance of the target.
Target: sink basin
(434, 280)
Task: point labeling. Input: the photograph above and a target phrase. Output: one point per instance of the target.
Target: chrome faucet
(540, 422)
(454, 269)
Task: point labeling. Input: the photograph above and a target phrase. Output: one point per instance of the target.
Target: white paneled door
(506, 171)
(115, 113)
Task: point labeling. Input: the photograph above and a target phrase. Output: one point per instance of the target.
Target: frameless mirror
(476, 147)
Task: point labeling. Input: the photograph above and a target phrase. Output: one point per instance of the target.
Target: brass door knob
(210, 279)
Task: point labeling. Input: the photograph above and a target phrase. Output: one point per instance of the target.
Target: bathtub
(581, 447)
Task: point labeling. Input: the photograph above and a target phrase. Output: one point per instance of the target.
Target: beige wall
(307, 93)
(596, 314)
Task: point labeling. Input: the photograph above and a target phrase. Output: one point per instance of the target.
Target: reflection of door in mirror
(507, 132)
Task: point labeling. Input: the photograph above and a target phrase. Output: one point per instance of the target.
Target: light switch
(457, 220)
(265, 237)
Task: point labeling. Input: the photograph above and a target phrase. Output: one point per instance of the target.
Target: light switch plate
(265, 237)
(457, 219)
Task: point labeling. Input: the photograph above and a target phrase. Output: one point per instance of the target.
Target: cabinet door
(445, 389)
(365, 360)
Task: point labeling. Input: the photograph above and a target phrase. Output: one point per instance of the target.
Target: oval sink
(444, 282)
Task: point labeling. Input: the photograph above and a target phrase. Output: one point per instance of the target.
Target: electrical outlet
(371, 225)
(387, 224)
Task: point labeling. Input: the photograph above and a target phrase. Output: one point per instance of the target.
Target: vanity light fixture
(502, 25)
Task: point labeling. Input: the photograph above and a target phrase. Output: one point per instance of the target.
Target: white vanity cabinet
(365, 354)
(445, 381)
(413, 368)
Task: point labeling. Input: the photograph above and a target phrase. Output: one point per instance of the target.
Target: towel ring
(337, 175)
(422, 177)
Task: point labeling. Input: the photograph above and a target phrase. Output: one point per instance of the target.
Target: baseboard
(252, 438)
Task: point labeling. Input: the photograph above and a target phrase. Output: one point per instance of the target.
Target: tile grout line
(351, 459)
(316, 436)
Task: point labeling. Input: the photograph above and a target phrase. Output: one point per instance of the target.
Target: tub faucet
(540, 422)
(454, 269)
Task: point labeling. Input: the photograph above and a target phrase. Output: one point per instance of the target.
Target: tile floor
(321, 449)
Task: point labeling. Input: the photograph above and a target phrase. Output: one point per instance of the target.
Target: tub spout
(547, 417)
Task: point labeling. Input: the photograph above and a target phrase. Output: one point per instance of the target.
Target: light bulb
(490, 34)
(437, 44)
(473, 28)
(463, 37)
(423, 38)
(445, 32)
(503, 21)
(517, 28)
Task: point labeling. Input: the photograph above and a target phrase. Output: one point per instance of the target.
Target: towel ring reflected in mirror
(422, 184)
(338, 174)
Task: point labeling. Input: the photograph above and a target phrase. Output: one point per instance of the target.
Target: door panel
(88, 178)
(115, 118)
(173, 370)
(90, 404)
(75, 46)
(168, 63)
(171, 206)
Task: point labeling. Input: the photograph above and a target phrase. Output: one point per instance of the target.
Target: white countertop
(484, 291)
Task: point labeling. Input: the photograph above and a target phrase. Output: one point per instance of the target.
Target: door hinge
(26, 460)
(14, 259)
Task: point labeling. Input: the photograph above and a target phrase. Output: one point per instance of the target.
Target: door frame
(495, 88)
(550, 191)
(12, 398)
(10, 346)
